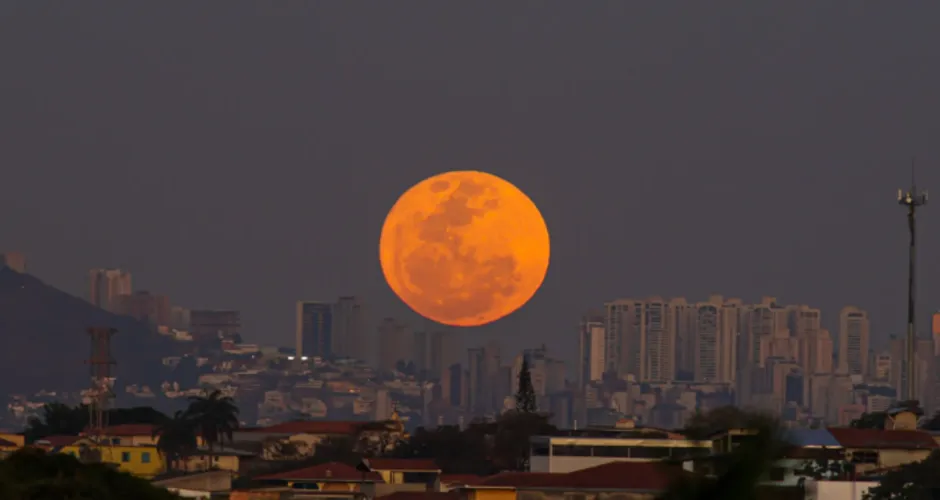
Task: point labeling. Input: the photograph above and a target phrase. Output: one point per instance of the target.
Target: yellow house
(139, 460)
(10, 443)
(135, 435)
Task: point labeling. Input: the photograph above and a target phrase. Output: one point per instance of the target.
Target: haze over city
(249, 165)
(469, 250)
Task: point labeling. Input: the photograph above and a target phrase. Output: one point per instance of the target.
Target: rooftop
(333, 471)
(883, 439)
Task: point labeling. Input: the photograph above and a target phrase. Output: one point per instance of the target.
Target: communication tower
(102, 381)
(911, 199)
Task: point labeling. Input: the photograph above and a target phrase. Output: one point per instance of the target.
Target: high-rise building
(715, 330)
(444, 351)
(395, 344)
(147, 307)
(106, 285)
(179, 318)
(935, 333)
(314, 329)
(853, 341)
(763, 334)
(422, 351)
(659, 329)
(625, 345)
(592, 342)
(14, 260)
(208, 324)
(349, 329)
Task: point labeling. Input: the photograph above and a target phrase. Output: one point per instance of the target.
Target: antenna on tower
(911, 199)
(102, 382)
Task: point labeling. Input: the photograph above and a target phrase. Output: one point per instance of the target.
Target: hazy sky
(243, 154)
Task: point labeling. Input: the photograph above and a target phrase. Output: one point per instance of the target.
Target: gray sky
(244, 154)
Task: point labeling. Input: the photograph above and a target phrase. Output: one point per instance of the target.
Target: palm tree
(177, 438)
(215, 417)
(737, 474)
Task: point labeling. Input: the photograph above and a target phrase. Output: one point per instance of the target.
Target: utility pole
(912, 199)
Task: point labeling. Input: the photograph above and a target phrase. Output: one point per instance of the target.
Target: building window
(864, 457)
(125, 456)
(145, 457)
(539, 450)
(649, 452)
(571, 450)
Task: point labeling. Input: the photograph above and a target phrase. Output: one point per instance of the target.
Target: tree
(706, 425)
(873, 420)
(933, 423)
(31, 474)
(215, 417)
(61, 419)
(483, 448)
(913, 481)
(512, 436)
(177, 438)
(525, 396)
(736, 475)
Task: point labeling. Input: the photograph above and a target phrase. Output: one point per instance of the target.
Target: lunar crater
(458, 269)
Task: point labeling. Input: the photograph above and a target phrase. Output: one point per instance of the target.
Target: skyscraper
(214, 324)
(314, 334)
(592, 342)
(444, 351)
(853, 341)
(625, 343)
(395, 344)
(349, 331)
(106, 285)
(715, 328)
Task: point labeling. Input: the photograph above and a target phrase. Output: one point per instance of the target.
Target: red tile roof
(312, 427)
(404, 464)
(643, 476)
(57, 441)
(7, 444)
(881, 439)
(421, 495)
(460, 478)
(332, 471)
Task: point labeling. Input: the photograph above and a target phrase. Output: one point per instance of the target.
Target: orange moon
(464, 248)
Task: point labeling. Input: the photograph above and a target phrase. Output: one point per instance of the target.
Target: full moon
(464, 248)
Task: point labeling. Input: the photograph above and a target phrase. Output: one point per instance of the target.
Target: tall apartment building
(591, 343)
(209, 324)
(145, 306)
(641, 337)
(763, 334)
(106, 285)
(395, 344)
(444, 351)
(853, 341)
(313, 335)
(483, 366)
(659, 328)
(714, 333)
(349, 329)
(14, 260)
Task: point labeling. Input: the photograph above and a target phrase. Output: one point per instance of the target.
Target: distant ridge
(44, 344)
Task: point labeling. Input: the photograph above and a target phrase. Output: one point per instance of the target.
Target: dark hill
(44, 343)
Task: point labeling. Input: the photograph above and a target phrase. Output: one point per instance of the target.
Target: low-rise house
(141, 460)
(404, 474)
(332, 477)
(7, 447)
(626, 480)
(870, 449)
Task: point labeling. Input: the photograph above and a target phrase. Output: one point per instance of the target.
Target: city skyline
(779, 162)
